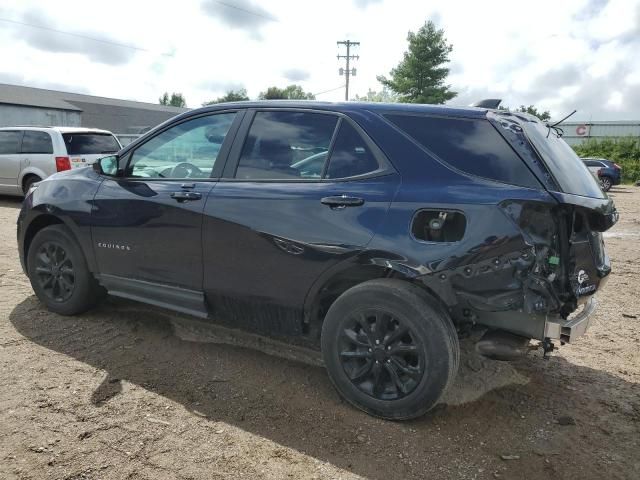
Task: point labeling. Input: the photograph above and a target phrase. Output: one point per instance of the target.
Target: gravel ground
(117, 394)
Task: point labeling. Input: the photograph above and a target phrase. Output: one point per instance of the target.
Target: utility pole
(348, 71)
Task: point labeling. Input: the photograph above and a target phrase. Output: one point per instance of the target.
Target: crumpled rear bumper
(572, 328)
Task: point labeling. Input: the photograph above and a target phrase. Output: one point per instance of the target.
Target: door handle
(186, 196)
(342, 201)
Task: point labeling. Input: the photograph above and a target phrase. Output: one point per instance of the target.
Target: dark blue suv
(378, 233)
(609, 173)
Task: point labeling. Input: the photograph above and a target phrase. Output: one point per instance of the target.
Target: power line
(331, 90)
(250, 12)
(348, 71)
(78, 35)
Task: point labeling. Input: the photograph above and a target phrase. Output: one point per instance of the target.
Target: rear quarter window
(472, 146)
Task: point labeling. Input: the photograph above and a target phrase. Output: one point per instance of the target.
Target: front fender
(64, 199)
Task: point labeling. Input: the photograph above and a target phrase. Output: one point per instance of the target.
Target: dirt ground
(116, 394)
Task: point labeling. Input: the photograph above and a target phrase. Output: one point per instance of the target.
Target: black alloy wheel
(390, 348)
(380, 356)
(59, 274)
(54, 270)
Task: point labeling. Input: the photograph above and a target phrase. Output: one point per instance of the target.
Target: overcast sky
(558, 55)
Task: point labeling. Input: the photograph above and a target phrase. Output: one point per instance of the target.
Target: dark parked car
(379, 233)
(609, 173)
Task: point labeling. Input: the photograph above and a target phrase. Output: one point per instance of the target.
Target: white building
(576, 132)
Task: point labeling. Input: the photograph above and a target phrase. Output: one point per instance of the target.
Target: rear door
(84, 148)
(302, 191)
(10, 156)
(147, 225)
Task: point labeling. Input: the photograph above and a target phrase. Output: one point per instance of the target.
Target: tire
(606, 183)
(425, 358)
(59, 274)
(30, 180)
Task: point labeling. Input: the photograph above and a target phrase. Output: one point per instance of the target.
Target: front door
(304, 191)
(147, 224)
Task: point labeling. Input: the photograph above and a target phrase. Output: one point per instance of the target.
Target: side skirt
(191, 302)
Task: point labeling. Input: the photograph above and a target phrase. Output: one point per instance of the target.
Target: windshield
(90, 143)
(569, 171)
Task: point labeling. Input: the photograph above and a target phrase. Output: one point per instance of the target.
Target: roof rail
(28, 126)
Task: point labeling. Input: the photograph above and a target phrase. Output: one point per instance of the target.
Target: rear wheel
(59, 274)
(390, 348)
(606, 183)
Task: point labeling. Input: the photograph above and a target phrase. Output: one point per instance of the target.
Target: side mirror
(107, 165)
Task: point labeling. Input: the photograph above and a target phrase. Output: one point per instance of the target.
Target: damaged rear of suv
(522, 259)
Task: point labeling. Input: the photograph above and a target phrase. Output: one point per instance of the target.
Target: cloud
(591, 9)
(239, 14)
(218, 86)
(97, 47)
(17, 79)
(11, 78)
(296, 74)
(365, 3)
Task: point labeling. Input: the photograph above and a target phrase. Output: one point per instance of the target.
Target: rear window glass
(286, 145)
(350, 156)
(472, 146)
(569, 171)
(90, 143)
(37, 142)
(10, 142)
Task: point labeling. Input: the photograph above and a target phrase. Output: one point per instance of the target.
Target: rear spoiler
(491, 103)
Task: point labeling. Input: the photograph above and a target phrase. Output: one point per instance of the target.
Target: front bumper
(572, 328)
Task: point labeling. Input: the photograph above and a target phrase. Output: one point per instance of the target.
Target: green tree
(292, 92)
(532, 110)
(175, 100)
(230, 96)
(420, 76)
(383, 95)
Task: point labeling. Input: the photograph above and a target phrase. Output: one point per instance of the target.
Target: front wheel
(390, 348)
(59, 274)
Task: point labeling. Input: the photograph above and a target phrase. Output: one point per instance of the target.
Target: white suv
(30, 154)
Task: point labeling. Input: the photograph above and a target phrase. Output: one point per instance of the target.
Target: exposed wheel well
(35, 226)
(26, 178)
(343, 281)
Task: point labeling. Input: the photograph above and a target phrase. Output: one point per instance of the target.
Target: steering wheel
(185, 170)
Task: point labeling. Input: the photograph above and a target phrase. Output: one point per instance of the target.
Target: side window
(286, 145)
(10, 142)
(187, 150)
(591, 163)
(36, 142)
(473, 146)
(350, 156)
